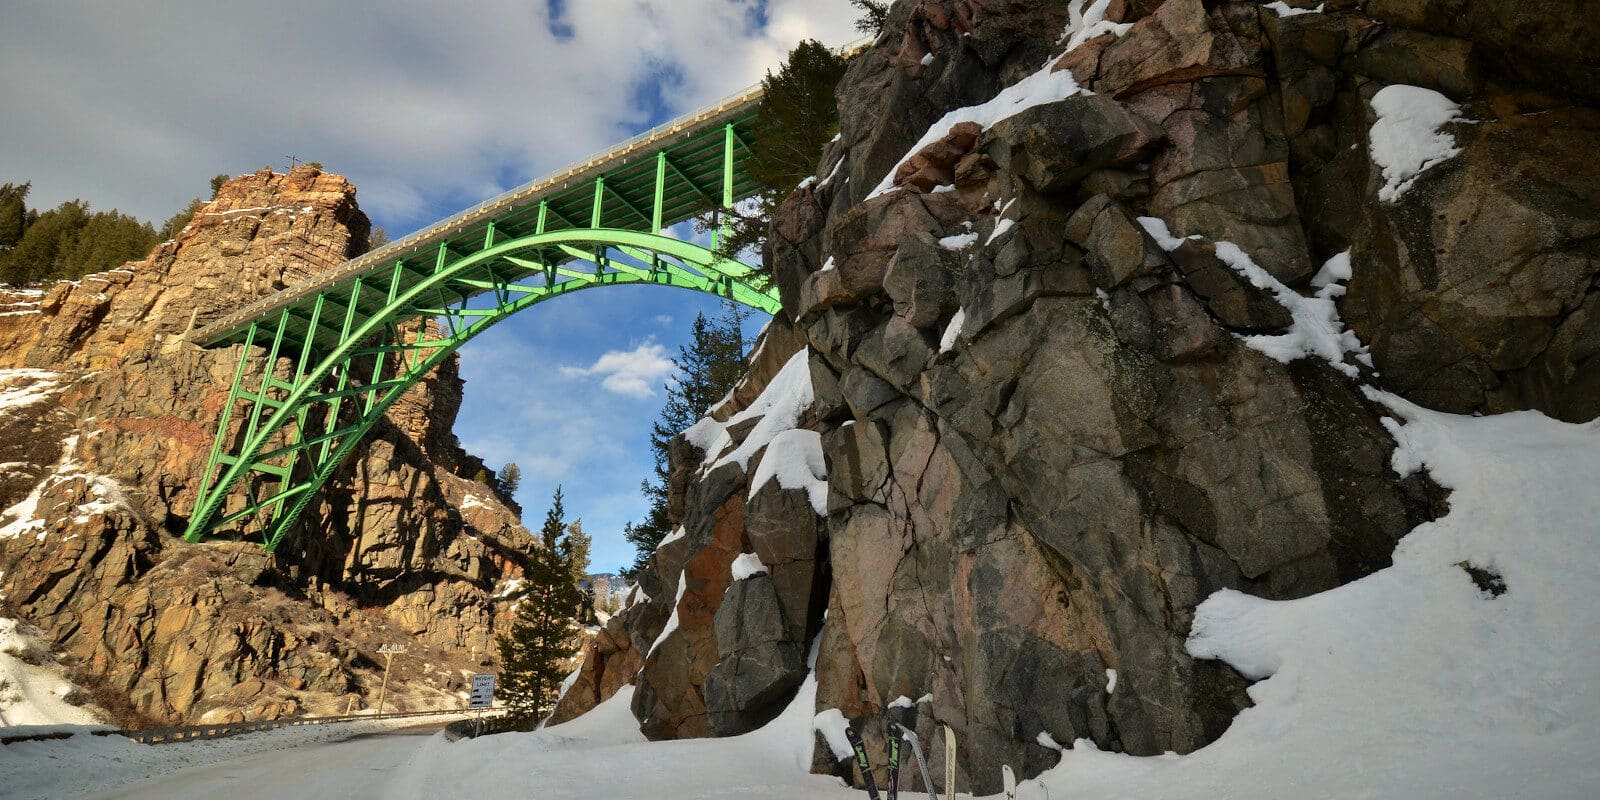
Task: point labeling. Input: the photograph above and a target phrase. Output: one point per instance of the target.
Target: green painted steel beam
(304, 429)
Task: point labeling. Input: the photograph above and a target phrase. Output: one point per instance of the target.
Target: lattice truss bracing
(338, 351)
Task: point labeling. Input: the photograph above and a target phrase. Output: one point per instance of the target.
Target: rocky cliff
(1088, 294)
(106, 419)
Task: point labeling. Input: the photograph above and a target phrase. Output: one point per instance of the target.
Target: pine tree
(13, 213)
(577, 554)
(708, 367)
(796, 117)
(35, 258)
(177, 222)
(543, 635)
(874, 14)
(510, 478)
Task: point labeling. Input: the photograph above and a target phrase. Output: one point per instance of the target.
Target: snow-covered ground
(1412, 682)
(85, 765)
(34, 695)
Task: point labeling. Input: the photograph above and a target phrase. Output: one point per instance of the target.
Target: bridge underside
(341, 349)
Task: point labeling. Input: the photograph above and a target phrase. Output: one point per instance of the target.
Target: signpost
(388, 652)
(482, 697)
(482, 691)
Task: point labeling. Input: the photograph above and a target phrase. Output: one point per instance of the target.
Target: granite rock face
(402, 546)
(1088, 363)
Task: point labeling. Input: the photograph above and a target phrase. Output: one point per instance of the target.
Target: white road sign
(482, 691)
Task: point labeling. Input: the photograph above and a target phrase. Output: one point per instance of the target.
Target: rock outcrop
(108, 431)
(1086, 355)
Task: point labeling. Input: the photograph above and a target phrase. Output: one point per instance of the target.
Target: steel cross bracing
(339, 350)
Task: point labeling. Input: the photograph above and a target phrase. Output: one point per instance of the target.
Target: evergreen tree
(543, 635)
(46, 240)
(874, 14)
(577, 556)
(13, 213)
(796, 117)
(707, 369)
(177, 222)
(216, 184)
(510, 478)
(107, 240)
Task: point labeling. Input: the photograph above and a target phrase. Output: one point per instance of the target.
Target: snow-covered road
(357, 768)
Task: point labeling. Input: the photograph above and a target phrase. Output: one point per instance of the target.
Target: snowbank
(1414, 681)
(34, 696)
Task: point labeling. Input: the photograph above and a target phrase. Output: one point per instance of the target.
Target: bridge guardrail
(185, 733)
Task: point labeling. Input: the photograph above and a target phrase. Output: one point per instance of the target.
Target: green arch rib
(341, 385)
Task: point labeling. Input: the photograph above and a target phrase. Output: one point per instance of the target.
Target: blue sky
(428, 108)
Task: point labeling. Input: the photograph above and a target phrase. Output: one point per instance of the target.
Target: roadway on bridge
(359, 767)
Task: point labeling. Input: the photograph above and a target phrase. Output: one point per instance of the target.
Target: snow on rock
(1406, 140)
(831, 724)
(1037, 89)
(960, 241)
(1111, 681)
(672, 621)
(1317, 329)
(1046, 740)
(676, 534)
(947, 340)
(794, 457)
(778, 408)
(1087, 23)
(32, 690)
(1414, 681)
(747, 565)
(1283, 9)
(24, 387)
(103, 493)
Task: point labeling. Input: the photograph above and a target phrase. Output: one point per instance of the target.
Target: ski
(862, 761)
(922, 763)
(949, 763)
(1009, 778)
(894, 766)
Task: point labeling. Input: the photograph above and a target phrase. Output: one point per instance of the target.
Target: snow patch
(1406, 139)
(1046, 740)
(794, 457)
(947, 340)
(1088, 23)
(672, 621)
(1283, 9)
(747, 565)
(960, 241)
(32, 690)
(831, 724)
(20, 388)
(1317, 329)
(778, 408)
(1037, 89)
(1111, 681)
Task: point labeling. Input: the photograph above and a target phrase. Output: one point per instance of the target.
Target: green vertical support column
(727, 184)
(658, 208)
(222, 425)
(299, 375)
(344, 371)
(594, 220)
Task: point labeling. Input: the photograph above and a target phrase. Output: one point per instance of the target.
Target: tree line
(71, 240)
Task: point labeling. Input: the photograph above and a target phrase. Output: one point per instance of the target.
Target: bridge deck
(694, 146)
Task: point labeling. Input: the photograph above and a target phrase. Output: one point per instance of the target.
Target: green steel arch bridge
(342, 347)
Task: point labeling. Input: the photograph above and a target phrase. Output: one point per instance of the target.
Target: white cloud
(634, 373)
(425, 106)
(662, 319)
